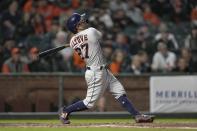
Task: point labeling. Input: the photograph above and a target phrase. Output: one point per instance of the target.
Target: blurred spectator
(66, 54)
(2, 57)
(168, 38)
(60, 39)
(106, 19)
(3, 5)
(107, 50)
(101, 16)
(122, 42)
(142, 41)
(179, 12)
(10, 19)
(48, 38)
(135, 66)
(187, 56)
(162, 8)
(191, 42)
(191, 39)
(117, 4)
(29, 6)
(134, 13)
(85, 7)
(39, 25)
(65, 4)
(95, 15)
(182, 66)
(120, 19)
(48, 11)
(7, 47)
(145, 65)
(117, 62)
(36, 64)
(194, 15)
(150, 16)
(163, 59)
(45, 9)
(24, 28)
(15, 64)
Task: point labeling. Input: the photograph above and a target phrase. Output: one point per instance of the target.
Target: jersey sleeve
(96, 32)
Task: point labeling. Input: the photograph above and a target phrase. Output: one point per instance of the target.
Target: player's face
(82, 25)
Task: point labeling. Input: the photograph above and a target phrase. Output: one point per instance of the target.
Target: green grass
(89, 129)
(74, 121)
(93, 121)
(81, 121)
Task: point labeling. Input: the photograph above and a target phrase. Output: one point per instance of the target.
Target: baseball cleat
(144, 118)
(63, 116)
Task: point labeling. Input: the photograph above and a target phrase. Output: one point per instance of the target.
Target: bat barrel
(51, 51)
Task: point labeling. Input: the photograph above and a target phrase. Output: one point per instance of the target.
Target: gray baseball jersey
(87, 44)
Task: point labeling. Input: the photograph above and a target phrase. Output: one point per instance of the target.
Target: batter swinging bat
(52, 51)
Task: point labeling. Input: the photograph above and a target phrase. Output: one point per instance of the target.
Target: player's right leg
(118, 91)
(64, 112)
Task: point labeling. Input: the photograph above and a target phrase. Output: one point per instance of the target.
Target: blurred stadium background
(141, 39)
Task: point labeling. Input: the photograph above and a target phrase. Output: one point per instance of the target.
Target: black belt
(101, 67)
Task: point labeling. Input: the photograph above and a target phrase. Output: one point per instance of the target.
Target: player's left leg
(118, 91)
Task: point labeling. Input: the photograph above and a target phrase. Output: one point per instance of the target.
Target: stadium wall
(44, 92)
(40, 92)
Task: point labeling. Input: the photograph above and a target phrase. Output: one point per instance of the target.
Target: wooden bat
(52, 51)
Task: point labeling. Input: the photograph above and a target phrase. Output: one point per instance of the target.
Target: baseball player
(86, 42)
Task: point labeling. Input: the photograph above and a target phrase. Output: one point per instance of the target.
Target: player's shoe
(144, 118)
(63, 116)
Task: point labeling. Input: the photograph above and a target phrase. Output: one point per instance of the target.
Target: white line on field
(26, 125)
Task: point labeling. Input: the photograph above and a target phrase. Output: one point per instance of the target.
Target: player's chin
(85, 25)
(83, 28)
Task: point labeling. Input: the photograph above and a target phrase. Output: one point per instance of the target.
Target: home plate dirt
(114, 125)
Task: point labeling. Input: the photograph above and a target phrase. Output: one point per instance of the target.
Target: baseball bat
(51, 51)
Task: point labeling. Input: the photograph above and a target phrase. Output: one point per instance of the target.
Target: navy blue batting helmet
(73, 20)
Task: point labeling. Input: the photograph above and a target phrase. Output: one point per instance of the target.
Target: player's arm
(99, 34)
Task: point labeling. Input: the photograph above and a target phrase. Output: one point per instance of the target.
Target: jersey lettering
(80, 39)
